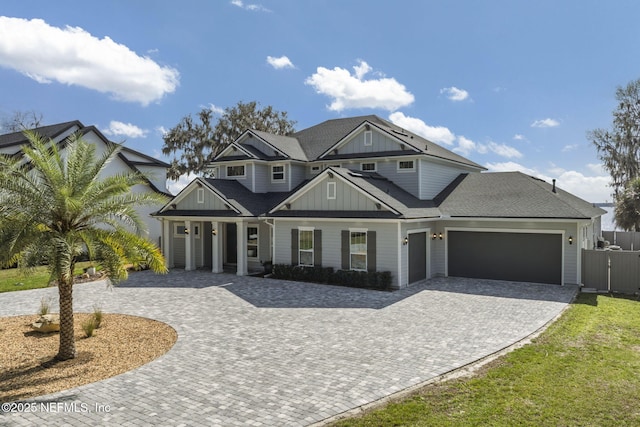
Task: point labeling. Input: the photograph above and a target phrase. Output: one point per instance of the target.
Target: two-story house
(361, 193)
(127, 160)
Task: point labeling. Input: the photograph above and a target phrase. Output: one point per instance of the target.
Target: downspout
(273, 237)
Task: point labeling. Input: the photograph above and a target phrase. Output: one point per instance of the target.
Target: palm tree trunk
(67, 349)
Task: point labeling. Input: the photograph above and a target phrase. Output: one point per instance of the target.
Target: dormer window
(235, 171)
(368, 138)
(277, 173)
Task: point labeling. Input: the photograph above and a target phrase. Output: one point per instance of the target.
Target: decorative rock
(47, 323)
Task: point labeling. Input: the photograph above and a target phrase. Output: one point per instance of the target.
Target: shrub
(89, 326)
(357, 279)
(97, 315)
(45, 306)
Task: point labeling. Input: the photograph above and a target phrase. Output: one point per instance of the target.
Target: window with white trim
(358, 250)
(331, 190)
(305, 246)
(200, 194)
(371, 167)
(315, 169)
(277, 173)
(252, 241)
(179, 230)
(368, 137)
(235, 171)
(406, 166)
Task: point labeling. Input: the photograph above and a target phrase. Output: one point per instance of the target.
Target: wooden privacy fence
(627, 240)
(614, 271)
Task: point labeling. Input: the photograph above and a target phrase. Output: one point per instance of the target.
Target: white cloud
(176, 186)
(504, 150)
(162, 130)
(569, 147)
(519, 137)
(466, 146)
(437, 134)
(593, 189)
(545, 123)
(279, 63)
(117, 128)
(352, 91)
(215, 109)
(72, 56)
(455, 94)
(251, 7)
(597, 168)
(510, 167)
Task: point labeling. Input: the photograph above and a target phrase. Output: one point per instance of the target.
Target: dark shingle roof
(286, 144)
(512, 195)
(50, 131)
(249, 204)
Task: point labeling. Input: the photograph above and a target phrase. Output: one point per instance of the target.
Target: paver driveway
(265, 352)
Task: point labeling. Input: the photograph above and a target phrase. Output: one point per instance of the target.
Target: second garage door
(521, 257)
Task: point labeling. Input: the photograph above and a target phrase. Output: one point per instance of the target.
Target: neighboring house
(361, 193)
(126, 160)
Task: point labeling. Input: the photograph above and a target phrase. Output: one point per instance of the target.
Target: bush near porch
(379, 280)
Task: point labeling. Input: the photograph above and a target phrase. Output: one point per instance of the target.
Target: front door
(417, 257)
(231, 246)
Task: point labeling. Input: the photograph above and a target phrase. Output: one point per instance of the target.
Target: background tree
(619, 147)
(619, 150)
(19, 121)
(55, 208)
(194, 143)
(627, 207)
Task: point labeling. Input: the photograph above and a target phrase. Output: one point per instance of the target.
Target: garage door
(521, 257)
(417, 257)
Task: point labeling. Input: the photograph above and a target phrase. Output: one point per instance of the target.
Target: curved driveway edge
(264, 352)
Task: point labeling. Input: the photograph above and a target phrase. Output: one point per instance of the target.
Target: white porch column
(167, 236)
(216, 247)
(188, 244)
(241, 233)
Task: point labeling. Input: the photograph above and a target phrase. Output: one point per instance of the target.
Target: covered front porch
(218, 244)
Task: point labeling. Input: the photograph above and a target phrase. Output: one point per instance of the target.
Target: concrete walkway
(264, 352)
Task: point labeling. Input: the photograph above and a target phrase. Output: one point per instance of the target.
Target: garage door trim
(504, 230)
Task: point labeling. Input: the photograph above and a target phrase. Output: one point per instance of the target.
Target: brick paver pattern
(263, 352)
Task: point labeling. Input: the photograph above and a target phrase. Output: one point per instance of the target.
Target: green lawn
(583, 371)
(13, 279)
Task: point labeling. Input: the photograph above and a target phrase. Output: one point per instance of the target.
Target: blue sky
(512, 85)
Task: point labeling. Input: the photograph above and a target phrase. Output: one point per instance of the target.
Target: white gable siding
(379, 143)
(347, 199)
(156, 174)
(386, 246)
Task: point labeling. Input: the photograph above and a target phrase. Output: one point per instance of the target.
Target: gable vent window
(406, 166)
(371, 167)
(331, 190)
(277, 173)
(200, 195)
(235, 171)
(368, 137)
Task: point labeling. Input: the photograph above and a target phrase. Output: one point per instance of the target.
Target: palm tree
(55, 207)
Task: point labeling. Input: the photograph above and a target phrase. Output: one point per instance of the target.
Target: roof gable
(188, 200)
